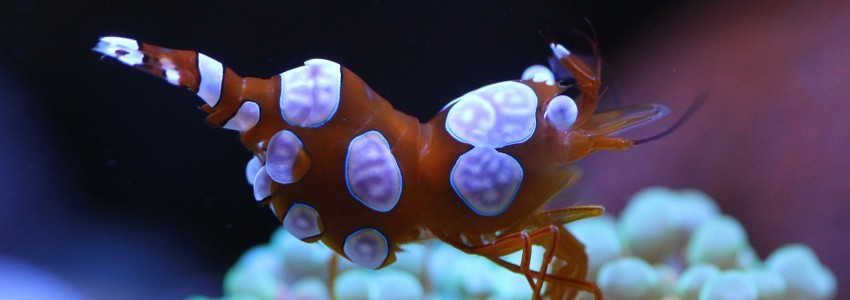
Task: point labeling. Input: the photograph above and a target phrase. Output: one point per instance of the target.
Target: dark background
(113, 183)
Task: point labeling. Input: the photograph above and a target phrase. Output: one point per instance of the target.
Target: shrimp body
(337, 164)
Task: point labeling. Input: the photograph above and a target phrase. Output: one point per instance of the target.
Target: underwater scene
(424, 150)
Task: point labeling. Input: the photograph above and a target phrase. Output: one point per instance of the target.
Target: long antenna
(698, 102)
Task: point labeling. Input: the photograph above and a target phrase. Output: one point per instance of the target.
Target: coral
(677, 245)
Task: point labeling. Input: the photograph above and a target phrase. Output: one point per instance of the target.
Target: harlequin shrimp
(337, 164)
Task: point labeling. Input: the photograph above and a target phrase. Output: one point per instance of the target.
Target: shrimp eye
(561, 112)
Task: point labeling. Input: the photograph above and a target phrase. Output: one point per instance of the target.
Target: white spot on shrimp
(286, 160)
(310, 94)
(252, 168)
(561, 112)
(262, 185)
(367, 248)
(172, 76)
(372, 174)
(559, 50)
(212, 75)
(486, 180)
(302, 221)
(246, 117)
(538, 73)
(124, 49)
(494, 116)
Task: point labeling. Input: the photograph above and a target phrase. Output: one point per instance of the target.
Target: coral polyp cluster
(666, 245)
(678, 245)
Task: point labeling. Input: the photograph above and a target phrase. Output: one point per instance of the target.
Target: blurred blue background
(112, 186)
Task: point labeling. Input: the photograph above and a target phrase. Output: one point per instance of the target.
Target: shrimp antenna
(698, 102)
(592, 38)
(546, 36)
